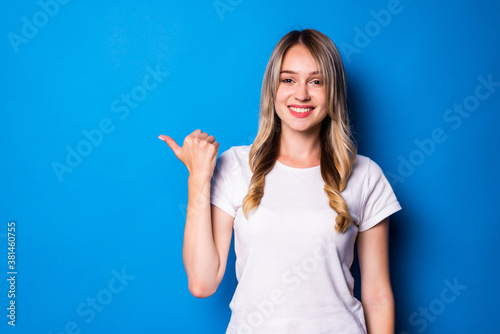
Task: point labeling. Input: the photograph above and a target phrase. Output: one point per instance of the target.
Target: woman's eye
(287, 80)
(316, 82)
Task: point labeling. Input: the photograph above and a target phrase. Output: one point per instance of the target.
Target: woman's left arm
(376, 291)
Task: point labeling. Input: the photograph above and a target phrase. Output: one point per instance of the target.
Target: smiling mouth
(301, 110)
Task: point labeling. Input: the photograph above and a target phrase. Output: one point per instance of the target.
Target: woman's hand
(198, 153)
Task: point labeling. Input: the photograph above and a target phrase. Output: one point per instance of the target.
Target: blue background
(121, 209)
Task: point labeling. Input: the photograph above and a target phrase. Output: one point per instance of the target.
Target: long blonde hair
(338, 149)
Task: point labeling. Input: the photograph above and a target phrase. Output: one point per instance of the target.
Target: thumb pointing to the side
(172, 144)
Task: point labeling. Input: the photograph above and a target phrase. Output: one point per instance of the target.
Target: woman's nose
(302, 92)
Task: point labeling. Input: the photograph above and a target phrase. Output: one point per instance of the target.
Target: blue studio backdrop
(92, 203)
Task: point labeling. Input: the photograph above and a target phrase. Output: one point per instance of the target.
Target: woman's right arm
(208, 230)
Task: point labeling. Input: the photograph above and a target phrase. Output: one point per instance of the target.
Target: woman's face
(300, 99)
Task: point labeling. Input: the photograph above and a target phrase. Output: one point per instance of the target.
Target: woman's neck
(300, 149)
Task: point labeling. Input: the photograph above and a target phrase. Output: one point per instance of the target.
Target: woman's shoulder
(362, 162)
(239, 152)
(364, 166)
(240, 149)
(235, 159)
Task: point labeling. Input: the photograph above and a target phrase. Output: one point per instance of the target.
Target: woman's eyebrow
(293, 72)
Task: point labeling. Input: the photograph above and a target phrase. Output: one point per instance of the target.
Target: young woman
(297, 199)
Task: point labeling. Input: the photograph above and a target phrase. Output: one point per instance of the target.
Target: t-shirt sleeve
(379, 200)
(220, 194)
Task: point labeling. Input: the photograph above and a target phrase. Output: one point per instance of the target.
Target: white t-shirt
(292, 267)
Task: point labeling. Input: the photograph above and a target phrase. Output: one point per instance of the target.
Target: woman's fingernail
(161, 137)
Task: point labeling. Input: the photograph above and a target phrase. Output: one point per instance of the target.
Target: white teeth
(301, 109)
